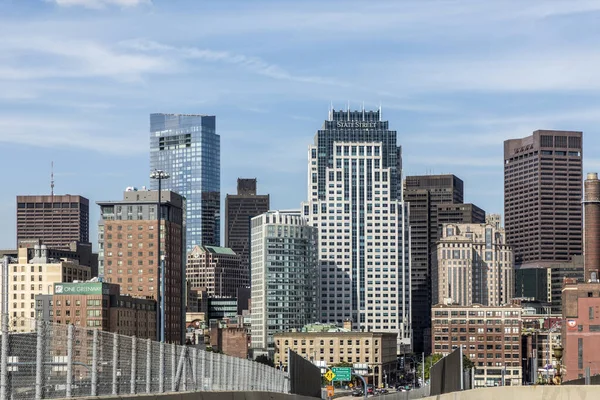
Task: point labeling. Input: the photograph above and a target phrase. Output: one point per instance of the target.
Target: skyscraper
(355, 201)
(129, 254)
(187, 147)
(424, 194)
(542, 196)
(57, 220)
(239, 209)
(284, 276)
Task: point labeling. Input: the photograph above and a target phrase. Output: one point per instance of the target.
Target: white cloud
(72, 58)
(96, 4)
(42, 131)
(254, 64)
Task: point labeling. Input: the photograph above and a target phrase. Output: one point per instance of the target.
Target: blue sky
(79, 78)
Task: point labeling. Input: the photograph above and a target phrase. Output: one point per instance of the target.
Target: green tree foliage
(432, 359)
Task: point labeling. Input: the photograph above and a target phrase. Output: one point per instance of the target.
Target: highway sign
(342, 373)
(329, 375)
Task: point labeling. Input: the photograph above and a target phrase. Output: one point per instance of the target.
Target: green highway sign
(343, 374)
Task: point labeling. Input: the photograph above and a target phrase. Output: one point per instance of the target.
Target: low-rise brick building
(489, 336)
(100, 305)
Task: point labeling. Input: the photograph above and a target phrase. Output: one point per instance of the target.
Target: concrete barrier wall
(203, 396)
(541, 392)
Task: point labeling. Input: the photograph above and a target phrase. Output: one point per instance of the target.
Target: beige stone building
(372, 354)
(36, 276)
(217, 270)
(473, 265)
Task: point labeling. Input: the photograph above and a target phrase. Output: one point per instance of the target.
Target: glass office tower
(188, 148)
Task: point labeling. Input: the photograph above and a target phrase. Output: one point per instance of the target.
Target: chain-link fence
(42, 360)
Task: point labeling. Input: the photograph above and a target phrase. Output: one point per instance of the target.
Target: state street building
(356, 203)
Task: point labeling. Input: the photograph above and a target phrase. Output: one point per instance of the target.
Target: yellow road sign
(329, 375)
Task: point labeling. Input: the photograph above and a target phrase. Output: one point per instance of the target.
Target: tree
(429, 361)
(467, 363)
(263, 359)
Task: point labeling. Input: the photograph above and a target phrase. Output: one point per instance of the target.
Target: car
(357, 393)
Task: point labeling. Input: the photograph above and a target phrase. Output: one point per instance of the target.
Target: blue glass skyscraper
(188, 148)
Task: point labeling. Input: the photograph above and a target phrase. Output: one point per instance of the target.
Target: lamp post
(160, 175)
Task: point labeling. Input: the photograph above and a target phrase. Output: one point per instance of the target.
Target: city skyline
(454, 105)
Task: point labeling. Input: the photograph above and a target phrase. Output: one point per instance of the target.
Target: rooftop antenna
(330, 110)
(363, 111)
(52, 180)
(348, 110)
(380, 111)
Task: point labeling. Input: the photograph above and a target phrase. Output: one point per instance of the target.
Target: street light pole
(160, 175)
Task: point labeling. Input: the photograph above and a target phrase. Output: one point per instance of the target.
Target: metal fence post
(69, 360)
(161, 378)
(133, 365)
(173, 367)
(184, 372)
(148, 364)
(39, 359)
(195, 368)
(94, 390)
(115, 363)
(211, 368)
(202, 369)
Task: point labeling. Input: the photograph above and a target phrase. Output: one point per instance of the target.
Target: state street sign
(342, 373)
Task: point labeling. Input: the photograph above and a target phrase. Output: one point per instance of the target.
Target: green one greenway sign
(87, 288)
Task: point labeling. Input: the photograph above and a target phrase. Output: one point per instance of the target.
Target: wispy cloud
(96, 4)
(44, 131)
(72, 58)
(251, 63)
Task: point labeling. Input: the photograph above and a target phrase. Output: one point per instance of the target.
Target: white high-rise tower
(355, 202)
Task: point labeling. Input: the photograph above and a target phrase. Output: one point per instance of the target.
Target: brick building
(581, 330)
(489, 336)
(128, 251)
(100, 305)
(55, 219)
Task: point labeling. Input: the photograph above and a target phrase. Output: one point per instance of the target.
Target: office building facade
(355, 202)
(216, 270)
(473, 265)
(371, 354)
(128, 251)
(29, 277)
(239, 209)
(284, 276)
(187, 147)
(542, 196)
(56, 220)
(424, 194)
(490, 338)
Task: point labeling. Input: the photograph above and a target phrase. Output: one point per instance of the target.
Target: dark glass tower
(188, 148)
(239, 209)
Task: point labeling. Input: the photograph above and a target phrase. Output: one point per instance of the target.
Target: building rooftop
(220, 250)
